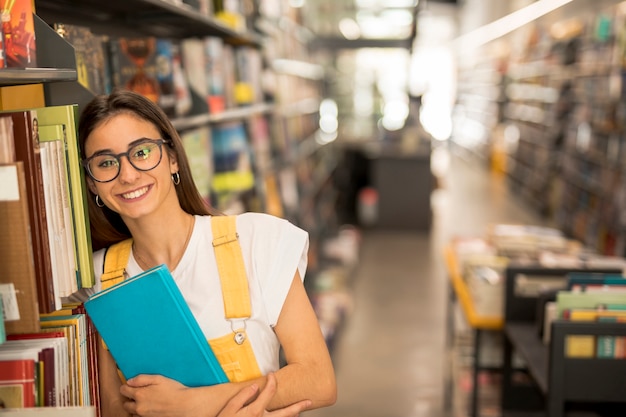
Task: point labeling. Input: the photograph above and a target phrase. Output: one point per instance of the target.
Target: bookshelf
(557, 383)
(561, 150)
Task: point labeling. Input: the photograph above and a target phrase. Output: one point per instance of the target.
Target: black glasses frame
(118, 157)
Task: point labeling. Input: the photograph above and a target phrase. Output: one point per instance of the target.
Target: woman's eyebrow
(130, 145)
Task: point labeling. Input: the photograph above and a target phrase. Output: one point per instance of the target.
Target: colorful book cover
(197, 144)
(149, 329)
(18, 33)
(90, 57)
(165, 76)
(214, 48)
(17, 383)
(134, 65)
(231, 158)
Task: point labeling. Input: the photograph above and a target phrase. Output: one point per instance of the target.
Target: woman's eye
(107, 163)
(142, 153)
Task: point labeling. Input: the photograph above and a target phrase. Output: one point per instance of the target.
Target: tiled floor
(390, 359)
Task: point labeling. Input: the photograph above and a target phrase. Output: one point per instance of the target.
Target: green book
(570, 300)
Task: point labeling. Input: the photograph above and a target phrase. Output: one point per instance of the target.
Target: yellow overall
(233, 350)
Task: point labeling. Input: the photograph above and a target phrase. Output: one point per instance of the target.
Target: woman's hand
(239, 405)
(158, 396)
(155, 395)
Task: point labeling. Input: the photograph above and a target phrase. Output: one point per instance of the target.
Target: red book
(17, 383)
(47, 356)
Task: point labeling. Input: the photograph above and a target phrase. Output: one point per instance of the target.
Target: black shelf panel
(140, 18)
(524, 338)
(12, 76)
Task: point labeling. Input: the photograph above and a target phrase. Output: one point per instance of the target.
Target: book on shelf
(17, 381)
(50, 358)
(17, 274)
(248, 69)
(231, 158)
(59, 209)
(26, 141)
(67, 117)
(91, 64)
(149, 329)
(197, 144)
(18, 33)
(74, 327)
(214, 47)
(194, 67)
(134, 66)
(594, 281)
(58, 342)
(181, 86)
(569, 301)
(165, 75)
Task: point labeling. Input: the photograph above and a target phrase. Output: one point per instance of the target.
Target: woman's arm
(308, 375)
(111, 401)
(309, 371)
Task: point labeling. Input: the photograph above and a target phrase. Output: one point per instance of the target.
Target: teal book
(149, 329)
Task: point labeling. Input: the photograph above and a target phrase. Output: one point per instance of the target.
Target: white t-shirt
(273, 250)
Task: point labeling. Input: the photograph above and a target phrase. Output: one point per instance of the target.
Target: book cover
(47, 361)
(194, 66)
(54, 344)
(17, 383)
(568, 300)
(18, 33)
(149, 329)
(181, 86)
(89, 53)
(16, 253)
(231, 158)
(165, 76)
(26, 141)
(134, 66)
(76, 334)
(67, 116)
(197, 144)
(214, 47)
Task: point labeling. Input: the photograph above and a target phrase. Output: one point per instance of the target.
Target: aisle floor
(390, 356)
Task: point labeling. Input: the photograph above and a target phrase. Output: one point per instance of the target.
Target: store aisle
(390, 357)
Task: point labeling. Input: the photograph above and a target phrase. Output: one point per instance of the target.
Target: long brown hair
(107, 227)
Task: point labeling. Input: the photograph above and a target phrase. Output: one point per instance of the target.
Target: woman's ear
(173, 165)
(91, 185)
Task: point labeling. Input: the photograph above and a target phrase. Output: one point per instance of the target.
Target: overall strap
(231, 267)
(115, 261)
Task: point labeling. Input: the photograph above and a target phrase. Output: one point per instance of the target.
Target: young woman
(141, 188)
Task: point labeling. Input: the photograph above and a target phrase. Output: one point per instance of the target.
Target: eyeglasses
(143, 156)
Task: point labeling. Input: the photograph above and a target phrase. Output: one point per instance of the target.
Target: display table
(479, 324)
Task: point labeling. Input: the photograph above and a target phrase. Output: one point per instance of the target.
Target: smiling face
(133, 194)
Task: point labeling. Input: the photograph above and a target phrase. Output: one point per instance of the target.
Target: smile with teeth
(135, 194)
